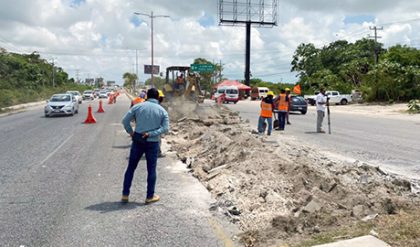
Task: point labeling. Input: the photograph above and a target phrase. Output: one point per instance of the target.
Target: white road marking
(55, 150)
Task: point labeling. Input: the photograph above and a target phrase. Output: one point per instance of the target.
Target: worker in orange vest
(139, 99)
(266, 114)
(282, 103)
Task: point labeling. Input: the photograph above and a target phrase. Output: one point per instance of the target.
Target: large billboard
(256, 12)
(148, 69)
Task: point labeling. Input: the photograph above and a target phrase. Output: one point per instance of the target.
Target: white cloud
(97, 38)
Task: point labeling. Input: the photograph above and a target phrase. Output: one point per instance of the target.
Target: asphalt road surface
(390, 143)
(61, 182)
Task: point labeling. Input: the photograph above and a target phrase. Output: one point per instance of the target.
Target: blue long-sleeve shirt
(150, 117)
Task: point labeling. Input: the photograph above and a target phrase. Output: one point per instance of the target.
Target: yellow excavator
(180, 82)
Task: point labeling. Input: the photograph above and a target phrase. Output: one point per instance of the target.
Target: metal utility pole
(151, 16)
(248, 54)
(220, 72)
(376, 37)
(77, 76)
(137, 71)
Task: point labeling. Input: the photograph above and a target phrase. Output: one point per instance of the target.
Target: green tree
(206, 78)
(129, 79)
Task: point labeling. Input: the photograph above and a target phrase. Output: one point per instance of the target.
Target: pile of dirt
(278, 189)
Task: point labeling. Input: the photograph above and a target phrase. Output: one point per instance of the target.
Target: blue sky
(358, 19)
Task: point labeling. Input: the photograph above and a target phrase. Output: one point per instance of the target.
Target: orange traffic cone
(90, 118)
(111, 99)
(101, 109)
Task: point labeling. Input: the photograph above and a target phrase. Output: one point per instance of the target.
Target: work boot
(155, 198)
(124, 199)
(288, 123)
(161, 155)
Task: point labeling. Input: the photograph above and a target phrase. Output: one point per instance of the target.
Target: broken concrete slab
(364, 241)
(312, 206)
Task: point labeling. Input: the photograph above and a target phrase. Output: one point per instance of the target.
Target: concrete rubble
(278, 189)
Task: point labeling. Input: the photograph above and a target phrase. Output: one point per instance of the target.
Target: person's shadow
(106, 207)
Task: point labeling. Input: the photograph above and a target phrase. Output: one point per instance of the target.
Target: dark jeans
(282, 119)
(151, 150)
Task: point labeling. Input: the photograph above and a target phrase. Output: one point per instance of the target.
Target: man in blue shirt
(151, 121)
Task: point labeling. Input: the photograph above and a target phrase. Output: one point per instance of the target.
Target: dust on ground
(281, 192)
(395, 111)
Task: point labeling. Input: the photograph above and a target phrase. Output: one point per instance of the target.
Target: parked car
(230, 93)
(334, 98)
(259, 92)
(103, 94)
(88, 94)
(298, 103)
(76, 94)
(61, 104)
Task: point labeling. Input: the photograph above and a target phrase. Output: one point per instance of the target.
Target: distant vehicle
(231, 94)
(96, 92)
(88, 94)
(76, 94)
(103, 94)
(298, 103)
(61, 104)
(334, 96)
(259, 92)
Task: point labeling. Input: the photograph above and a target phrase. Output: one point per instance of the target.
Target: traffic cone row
(101, 109)
(90, 119)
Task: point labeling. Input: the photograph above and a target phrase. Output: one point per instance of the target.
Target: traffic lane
(96, 217)
(34, 167)
(73, 198)
(380, 141)
(28, 138)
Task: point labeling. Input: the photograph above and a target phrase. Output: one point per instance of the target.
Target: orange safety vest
(283, 104)
(266, 110)
(137, 100)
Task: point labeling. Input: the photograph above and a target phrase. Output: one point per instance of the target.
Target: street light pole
(151, 35)
(151, 16)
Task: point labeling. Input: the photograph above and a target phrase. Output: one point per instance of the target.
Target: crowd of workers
(281, 105)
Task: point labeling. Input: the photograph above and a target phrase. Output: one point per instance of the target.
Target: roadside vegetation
(345, 66)
(28, 78)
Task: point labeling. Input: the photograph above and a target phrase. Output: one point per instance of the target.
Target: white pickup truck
(334, 96)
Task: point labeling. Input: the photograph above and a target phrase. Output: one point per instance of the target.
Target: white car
(61, 104)
(88, 94)
(103, 94)
(76, 94)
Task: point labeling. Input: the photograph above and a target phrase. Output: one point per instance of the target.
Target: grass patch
(399, 230)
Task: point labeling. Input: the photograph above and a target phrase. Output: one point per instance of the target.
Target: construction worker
(180, 84)
(282, 103)
(321, 101)
(139, 99)
(266, 114)
(288, 107)
(151, 122)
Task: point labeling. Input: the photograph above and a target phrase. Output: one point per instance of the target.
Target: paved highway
(390, 143)
(60, 185)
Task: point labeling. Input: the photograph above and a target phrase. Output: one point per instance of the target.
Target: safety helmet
(270, 93)
(287, 89)
(161, 93)
(142, 95)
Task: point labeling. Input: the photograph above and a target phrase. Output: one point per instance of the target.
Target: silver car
(61, 104)
(76, 94)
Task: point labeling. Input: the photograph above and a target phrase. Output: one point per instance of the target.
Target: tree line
(345, 66)
(28, 77)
